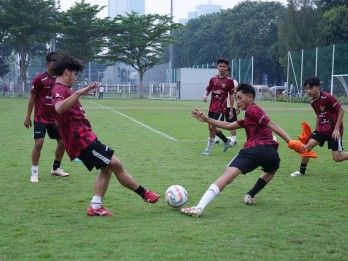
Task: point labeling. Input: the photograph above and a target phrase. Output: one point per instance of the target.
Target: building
(201, 10)
(120, 72)
(120, 7)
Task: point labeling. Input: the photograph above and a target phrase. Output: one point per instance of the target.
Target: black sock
(140, 191)
(56, 164)
(260, 184)
(303, 168)
(222, 136)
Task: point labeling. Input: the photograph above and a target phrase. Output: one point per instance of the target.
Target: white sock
(234, 138)
(216, 138)
(96, 202)
(212, 192)
(34, 170)
(210, 143)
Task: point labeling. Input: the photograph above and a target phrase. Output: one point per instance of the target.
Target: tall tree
(28, 27)
(81, 32)
(140, 41)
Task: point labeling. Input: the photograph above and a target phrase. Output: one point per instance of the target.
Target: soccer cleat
(249, 200)
(233, 143)
(227, 144)
(206, 152)
(99, 212)
(192, 211)
(217, 142)
(59, 172)
(34, 177)
(151, 197)
(296, 174)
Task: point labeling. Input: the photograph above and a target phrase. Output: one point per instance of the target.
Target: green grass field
(302, 218)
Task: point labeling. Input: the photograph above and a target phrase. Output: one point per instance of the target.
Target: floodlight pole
(170, 64)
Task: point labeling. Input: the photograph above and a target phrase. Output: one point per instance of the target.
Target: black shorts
(96, 155)
(40, 130)
(216, 116)
(264, 156)
(332, 144)
(227, 115)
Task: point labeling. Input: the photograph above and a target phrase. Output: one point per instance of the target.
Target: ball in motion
(176, 196)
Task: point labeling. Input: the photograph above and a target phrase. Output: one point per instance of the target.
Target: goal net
(339, 85)
(162, 91)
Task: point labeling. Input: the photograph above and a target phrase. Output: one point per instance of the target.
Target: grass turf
(159, 143)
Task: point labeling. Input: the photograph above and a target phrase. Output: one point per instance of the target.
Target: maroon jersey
(326, 108)
(42, 88)
(74, 127)
(255, 122)
(220, 88)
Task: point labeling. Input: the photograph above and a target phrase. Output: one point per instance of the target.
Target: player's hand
(336, 134)
(86, 90)
(199, 115)
(237, 110)
(205, 98)
(27, 123)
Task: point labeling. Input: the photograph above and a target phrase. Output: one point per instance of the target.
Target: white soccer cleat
(59, 172)
(206, 152)
(227, 144)
(34, 177)
(192, 211)
(296, 174)
(249, 200)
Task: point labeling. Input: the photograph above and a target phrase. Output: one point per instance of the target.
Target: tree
(27, 30)
(301, 28)
(140, 41)
(252, 31)
(81, 33)
(336, 24)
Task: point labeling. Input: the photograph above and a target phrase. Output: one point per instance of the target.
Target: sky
(180, 7)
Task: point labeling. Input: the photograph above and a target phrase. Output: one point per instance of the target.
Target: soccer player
(81, 142)
(329, 125)
(41, 99)
(221, 88)
(259, 149)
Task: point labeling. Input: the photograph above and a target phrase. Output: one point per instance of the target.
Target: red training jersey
(326, 107)
(257, 132)
(220, 88)
(74, 127)
(42, 87)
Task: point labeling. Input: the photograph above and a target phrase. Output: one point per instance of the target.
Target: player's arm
(27, 120)
(336, 132)
(220, 124)
(206, 94)
(64, 105)
(278, 130)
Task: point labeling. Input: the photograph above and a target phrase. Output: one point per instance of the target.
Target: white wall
(193, 82)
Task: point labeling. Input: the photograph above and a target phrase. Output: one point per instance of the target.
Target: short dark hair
(223, 60)
(312, 81)
(246, 89)
(52, 56)
(66, 61)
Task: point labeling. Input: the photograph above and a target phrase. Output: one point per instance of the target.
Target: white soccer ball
(176, 196)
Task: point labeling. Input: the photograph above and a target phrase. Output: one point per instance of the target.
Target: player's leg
(211, 137)
(129, 182)
(218, 132)
(39, 137)
(337, 149)
(269, 162)
(53, 133)
(304, 160)
(213, 191)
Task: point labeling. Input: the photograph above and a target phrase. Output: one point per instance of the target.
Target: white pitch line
(138, 122)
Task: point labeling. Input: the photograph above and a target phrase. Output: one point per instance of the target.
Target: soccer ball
(176, 196)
